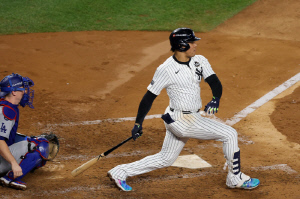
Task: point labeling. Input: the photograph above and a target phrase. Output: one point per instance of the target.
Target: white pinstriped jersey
(181, 81)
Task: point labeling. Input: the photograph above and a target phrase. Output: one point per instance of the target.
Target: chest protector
(10, 112)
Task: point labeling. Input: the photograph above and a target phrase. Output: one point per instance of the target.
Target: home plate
(191, 162)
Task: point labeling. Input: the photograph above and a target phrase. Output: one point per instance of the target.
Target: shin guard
(30, 161)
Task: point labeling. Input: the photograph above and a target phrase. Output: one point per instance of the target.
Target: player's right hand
(17, 170)
(137, 131)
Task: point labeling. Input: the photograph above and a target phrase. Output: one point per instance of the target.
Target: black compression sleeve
(215, 85)
(145, 106)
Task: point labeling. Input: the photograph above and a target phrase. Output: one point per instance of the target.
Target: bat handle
(112, 149)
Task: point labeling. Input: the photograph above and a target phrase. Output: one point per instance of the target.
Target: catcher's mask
(15, 82)
(180, 38)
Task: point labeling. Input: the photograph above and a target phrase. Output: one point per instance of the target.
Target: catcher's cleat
(6, 181)
(121, 184)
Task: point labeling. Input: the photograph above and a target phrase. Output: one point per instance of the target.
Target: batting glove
(137, 131)
(213, 106)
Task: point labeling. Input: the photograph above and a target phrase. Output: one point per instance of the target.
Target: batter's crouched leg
(171, 149)
(120, 173)
(237, 179)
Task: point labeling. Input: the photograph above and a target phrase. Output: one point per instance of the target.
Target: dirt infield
(88, 76)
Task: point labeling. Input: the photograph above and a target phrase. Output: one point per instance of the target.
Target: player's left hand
(137, 131)
(213, 106)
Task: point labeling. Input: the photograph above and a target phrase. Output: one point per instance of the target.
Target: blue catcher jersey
(9, 119)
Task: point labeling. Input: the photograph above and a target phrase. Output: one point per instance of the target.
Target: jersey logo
(177, 72)
(152, 82)
(3, 128)
(197, 64)
(199, 73)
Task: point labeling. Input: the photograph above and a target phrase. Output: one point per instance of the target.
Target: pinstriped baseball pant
(177, 134)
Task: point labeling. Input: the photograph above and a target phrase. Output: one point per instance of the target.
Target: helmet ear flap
(183, 46)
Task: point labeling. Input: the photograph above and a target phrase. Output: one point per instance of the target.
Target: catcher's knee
(40, 150)
(40, 145)
(47, 145)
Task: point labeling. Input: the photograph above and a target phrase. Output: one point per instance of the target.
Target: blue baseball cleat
(243, 181)
(250, 184)
(121, 184)
(16, 184)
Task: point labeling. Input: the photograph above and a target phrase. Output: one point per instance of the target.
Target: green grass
(27, 16)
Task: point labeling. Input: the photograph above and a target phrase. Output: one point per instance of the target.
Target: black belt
(185, 112)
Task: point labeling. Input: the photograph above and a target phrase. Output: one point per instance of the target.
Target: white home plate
(191, 162)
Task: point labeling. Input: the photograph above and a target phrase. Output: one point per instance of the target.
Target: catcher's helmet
(14, 82)
(180, 38)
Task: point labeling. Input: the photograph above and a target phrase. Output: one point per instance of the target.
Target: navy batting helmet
(180, 38)
(16, 82)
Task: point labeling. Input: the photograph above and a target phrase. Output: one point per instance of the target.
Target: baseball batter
(19, 154)
(181, 75)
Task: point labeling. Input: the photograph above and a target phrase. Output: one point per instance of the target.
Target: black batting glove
(213, 106)
(137, 131)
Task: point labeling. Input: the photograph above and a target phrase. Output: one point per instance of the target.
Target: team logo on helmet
(17, 84)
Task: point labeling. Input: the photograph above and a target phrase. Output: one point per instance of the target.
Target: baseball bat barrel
(93, 161)
(85, 166)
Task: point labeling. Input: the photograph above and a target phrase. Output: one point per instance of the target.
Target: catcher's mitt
(53, 144)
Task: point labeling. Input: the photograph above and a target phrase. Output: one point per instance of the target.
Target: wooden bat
(93, 161)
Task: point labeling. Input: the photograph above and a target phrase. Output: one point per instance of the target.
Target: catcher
(20, 154)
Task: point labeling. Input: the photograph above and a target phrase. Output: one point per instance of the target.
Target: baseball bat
(93, 161)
